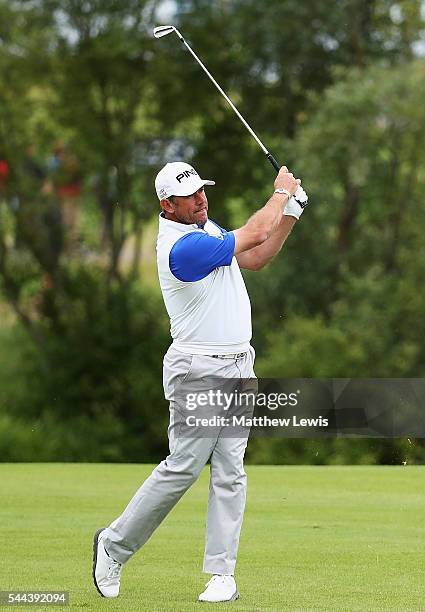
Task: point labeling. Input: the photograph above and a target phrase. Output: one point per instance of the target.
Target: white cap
(179, 179)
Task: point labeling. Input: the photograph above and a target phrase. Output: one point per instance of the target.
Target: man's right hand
(286, 180)
(266, 220)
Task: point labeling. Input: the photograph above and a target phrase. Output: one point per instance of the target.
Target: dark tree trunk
(347, 219)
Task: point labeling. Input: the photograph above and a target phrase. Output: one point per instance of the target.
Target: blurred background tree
(91, 107)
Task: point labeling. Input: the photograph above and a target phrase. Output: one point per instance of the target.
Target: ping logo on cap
(186, 174)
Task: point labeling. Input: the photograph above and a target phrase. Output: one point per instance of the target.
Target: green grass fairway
(314, 538)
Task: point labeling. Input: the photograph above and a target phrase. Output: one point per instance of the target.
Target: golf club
(161, 31)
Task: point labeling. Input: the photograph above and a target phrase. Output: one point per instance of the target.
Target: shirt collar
(183, 227)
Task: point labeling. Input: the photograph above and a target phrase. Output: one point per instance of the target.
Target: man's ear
(167, 205)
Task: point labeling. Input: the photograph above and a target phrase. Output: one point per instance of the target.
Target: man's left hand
(295, 205)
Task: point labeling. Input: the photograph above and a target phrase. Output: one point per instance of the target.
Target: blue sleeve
(197, 254)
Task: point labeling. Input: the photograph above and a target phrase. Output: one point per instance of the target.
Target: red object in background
(69, 191)
(4, 172)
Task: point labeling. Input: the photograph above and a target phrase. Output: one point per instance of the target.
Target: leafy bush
(93, 390)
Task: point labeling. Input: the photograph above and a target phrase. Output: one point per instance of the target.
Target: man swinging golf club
(205, 296)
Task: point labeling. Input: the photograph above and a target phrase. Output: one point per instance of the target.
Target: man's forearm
(261, 255)
(265, 222)
(269, 217)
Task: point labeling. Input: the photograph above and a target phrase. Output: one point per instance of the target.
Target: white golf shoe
(220, 588)
(106, 571)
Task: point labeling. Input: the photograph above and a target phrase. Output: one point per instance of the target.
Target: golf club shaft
(269, 156)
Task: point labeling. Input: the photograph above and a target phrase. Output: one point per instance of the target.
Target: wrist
(283, 191)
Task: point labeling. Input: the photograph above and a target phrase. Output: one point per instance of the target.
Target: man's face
(188, 209)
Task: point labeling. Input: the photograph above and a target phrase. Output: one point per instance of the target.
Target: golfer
(205, 296)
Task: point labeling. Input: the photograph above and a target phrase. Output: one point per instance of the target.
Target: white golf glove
(295, 205)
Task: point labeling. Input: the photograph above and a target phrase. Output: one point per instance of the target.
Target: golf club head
(161, 31)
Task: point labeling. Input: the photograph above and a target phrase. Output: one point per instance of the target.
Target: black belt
(230, 355)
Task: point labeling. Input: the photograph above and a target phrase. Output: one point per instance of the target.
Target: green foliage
(336, 451)
(77, 439)
(335, 93)
(360, 245)
(92, 391)
(343, 346)
(347, 294)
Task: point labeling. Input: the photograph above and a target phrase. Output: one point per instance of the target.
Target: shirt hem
(210, 349)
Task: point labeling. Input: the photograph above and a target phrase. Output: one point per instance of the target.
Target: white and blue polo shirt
(203, 288)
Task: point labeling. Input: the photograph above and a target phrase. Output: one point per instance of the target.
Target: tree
(366, 138)
(90, 322)
(90, 74)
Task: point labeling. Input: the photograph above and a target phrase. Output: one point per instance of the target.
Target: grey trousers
(188, 456)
